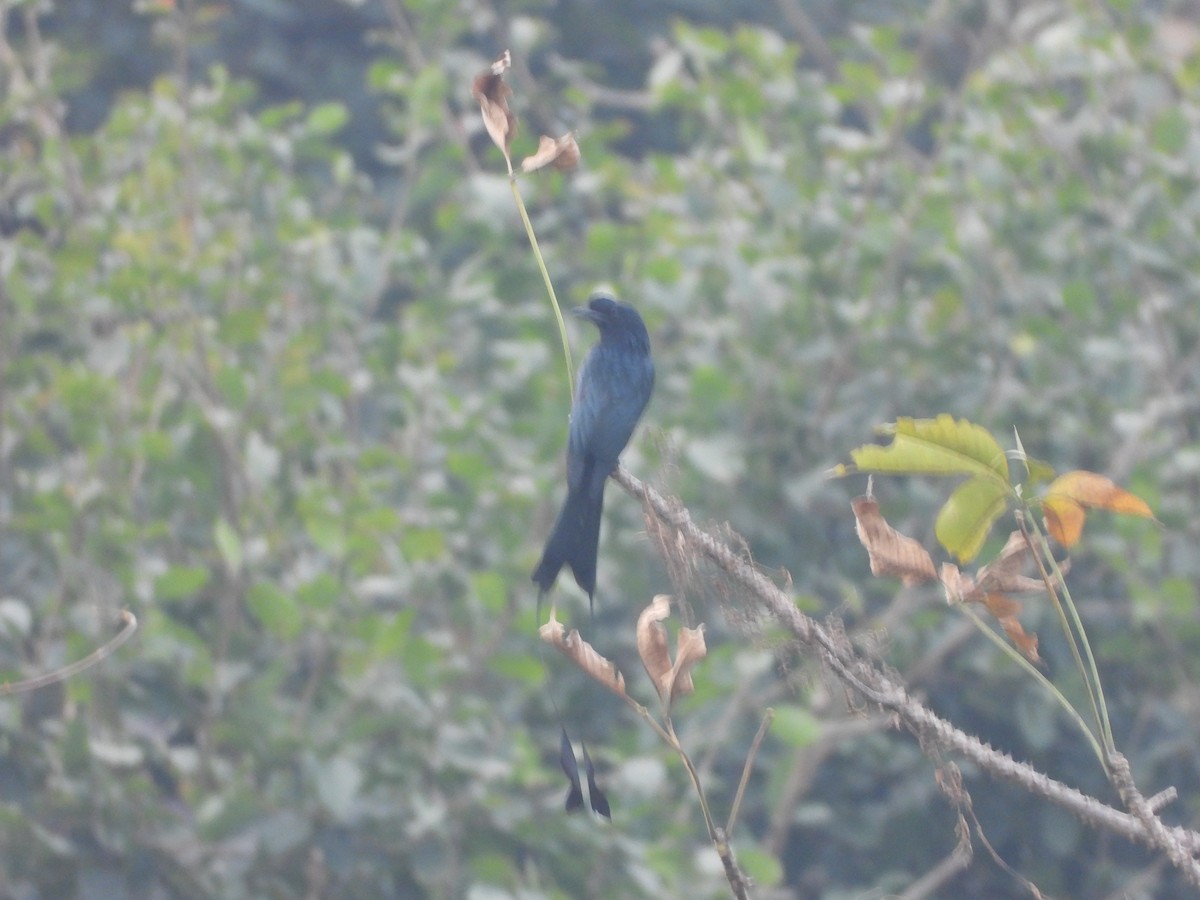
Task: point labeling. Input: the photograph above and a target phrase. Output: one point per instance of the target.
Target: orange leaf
(1064, 518)
(1068, 494)
(890, 552)
(1026, 643)
(1001, 606)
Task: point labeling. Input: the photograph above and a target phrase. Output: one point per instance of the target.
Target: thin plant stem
(1045, 682)
(695, 776)
(768, 717)
(541, 263)
(129, 625)
(1077, 635)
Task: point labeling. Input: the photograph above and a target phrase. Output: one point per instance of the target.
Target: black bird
(614, 386)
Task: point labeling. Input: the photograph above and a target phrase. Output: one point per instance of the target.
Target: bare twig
(128, 627)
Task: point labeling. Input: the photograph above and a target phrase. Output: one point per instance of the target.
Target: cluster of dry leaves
(492, 94)
(893, 553)
(671, 677)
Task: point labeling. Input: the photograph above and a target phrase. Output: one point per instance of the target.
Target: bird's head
(612, 317)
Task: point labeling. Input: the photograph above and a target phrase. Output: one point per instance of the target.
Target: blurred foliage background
(279, 375)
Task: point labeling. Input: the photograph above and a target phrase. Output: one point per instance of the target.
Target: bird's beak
(582, 312)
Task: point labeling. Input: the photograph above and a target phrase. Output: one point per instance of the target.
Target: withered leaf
(583, 654)
(890, 552)
(671, 678)
(958, 585)
(962, 588)
(563, 154)
(690, 651)
(1004, 572)
(1027, 642)
(1068, 495)
(492, 94)
(652, 641)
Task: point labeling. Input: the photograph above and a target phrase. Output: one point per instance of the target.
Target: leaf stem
(1045, 682)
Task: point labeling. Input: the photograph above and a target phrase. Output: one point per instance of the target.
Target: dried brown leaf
(563, 154)
(583, 654)
(1027, 642)
(958, 585)
(691, 649)
(492, 94)
(1001, 606)
(1004, 572)
(652, 642)
(890, 552)
(962, 588)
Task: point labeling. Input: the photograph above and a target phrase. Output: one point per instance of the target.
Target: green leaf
(966, 518)
(1169, 132)
(763, 867)
(229, 545)
(391, 634)
(326, 118)
(519, 667)
(795, 725)
(1078, 297)
(276, 609)
(319, 593)
(180, 581)
(491, 589)
(1039, 472)
(422, 544)
(941, 446)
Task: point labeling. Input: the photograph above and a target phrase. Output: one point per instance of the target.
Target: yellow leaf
(941, 446)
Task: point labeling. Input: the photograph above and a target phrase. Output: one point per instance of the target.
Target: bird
(614, 386)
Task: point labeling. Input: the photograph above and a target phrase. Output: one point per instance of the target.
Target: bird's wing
(593, 397)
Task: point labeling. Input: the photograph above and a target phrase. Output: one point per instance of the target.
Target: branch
(868, 679)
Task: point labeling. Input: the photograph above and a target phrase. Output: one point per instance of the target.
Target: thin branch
(768, 717)
(129, 626)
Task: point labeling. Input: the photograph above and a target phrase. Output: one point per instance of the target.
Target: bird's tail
(573, 541)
